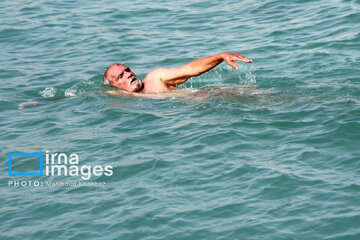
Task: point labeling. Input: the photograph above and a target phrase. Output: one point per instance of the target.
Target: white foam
(70, 92)
(48, 92)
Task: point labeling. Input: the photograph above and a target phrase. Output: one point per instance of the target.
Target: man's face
(123, 78)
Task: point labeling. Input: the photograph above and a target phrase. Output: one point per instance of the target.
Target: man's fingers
(233, 65)
(232, 57)
(248, 60)
(244, 59)
(241, 58)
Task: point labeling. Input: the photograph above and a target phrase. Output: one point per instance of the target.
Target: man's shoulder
(154, 83)
(156, 73)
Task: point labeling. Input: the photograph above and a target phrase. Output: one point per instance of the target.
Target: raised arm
(179, 75)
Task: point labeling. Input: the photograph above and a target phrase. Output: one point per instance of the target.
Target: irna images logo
(56, 164)
(15, 154)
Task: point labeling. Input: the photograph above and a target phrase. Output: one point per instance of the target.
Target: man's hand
(231, 58)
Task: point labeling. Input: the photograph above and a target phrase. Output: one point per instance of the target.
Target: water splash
(249, 77)
(48, 92)
(70, 92)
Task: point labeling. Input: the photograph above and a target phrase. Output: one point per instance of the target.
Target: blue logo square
(16, 153)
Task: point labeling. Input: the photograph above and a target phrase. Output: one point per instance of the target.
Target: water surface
(278, 159)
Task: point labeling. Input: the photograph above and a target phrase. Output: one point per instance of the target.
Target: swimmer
(162, 80)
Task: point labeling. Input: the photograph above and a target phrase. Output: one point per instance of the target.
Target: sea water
(276, 158)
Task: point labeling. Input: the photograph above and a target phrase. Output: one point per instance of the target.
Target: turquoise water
(277, 158)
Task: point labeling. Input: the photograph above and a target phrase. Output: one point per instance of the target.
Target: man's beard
(136, 85)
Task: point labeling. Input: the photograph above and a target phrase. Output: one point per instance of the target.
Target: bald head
(120, 76)
(111, 73)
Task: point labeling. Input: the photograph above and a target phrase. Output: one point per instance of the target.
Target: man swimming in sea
(159, 80)
(165, 79)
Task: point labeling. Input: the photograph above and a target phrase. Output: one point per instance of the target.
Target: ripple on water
(270, 152)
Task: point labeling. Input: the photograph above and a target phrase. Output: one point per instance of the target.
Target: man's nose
(130, 74)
